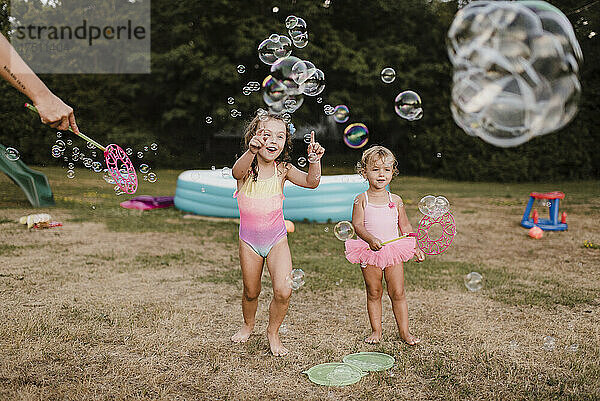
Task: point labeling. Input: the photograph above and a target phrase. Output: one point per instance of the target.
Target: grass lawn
(122, 304)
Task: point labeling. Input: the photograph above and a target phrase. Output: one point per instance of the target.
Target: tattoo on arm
(14, 77)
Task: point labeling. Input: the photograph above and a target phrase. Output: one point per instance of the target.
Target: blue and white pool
(210, 193)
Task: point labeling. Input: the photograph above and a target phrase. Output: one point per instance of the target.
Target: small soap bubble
(71, 166)
(61, 144)
(328, 109)
(12, 154)
(94, 154)
(592, 34)
(235, 113)
(344, 230)
(275, 9)
(93, 207)
(388, 75)
(356, 135)
(312, 157)
(307, 138)
(291, 21)
(203, 190)
(230, 100)
(473, 281)
(59, 134)
(549, 343)
(341, 113)
(151, 177)
(154, 146)
(144, 168)
(319, 100)
(208, 119)
(226, 172)
(75, 150)
(129, 151)
(56, 152)
(213, 168)
(302, 161)
(439, 154)
(70, 174)
(241, 69)
(287, 118)
(326, 229)
(75, 158)
(96, 166)
(66, 158)
(69, 142)
(90, 145)
(146, 148)
(572, 347)
(246, 91)
(408, 106)
(297, 274)
(140, 155)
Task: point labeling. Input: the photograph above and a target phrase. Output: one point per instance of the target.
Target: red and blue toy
(550, 224)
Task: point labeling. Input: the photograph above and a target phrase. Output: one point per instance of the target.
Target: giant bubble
(516, 70)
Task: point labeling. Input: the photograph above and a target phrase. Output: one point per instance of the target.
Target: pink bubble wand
(427, 244)
(118, 163)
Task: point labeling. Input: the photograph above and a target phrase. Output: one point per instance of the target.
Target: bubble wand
(118, 163)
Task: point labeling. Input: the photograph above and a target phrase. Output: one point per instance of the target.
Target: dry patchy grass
(124, 305)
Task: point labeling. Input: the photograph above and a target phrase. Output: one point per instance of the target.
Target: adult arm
(51, 109)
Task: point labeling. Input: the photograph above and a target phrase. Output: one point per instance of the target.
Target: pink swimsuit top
(382, 220)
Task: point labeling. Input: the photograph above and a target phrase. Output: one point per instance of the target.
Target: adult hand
(56, 113)
(316, 148)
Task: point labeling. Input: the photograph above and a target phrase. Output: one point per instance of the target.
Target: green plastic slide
(33, 183)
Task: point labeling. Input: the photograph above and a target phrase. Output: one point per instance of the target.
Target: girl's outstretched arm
(313, 177)
(242, 165)
(358, 221)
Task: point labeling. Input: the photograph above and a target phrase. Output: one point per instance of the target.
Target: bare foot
(410, 339)
(374, 338)
(277, 348)
(243, 334)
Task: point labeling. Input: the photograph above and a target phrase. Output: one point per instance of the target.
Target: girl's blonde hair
(252, 128)
(373, 154)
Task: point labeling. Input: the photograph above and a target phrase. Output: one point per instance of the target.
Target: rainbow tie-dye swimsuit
(261, 213)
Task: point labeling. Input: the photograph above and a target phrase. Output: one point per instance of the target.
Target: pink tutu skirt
(358, 251)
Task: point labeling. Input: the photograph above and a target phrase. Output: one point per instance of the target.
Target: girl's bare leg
(252, 265)
(373, 276)
(394, 278)
(279, 263)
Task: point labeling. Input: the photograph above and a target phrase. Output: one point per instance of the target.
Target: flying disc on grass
(335, 374)
(370, 361)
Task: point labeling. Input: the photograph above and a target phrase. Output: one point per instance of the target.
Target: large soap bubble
(408, 105)
(515, 70)
(274, 48)
(356, 135)
(280, 92)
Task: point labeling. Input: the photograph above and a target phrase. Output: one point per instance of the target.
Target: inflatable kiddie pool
(210, 193)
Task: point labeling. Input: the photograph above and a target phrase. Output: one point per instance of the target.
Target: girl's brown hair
(252, 128)
(376, 152)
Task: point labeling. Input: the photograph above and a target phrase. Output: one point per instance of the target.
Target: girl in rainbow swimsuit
(260, 173)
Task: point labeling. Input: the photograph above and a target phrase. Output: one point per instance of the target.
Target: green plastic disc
(370, 361)
(334, 374)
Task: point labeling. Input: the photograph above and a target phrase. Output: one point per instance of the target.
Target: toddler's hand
(316, 148)
(420, 256)
(375, 244)
(256, 143)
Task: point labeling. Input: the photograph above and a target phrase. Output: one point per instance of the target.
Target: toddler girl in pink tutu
(376, 217)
